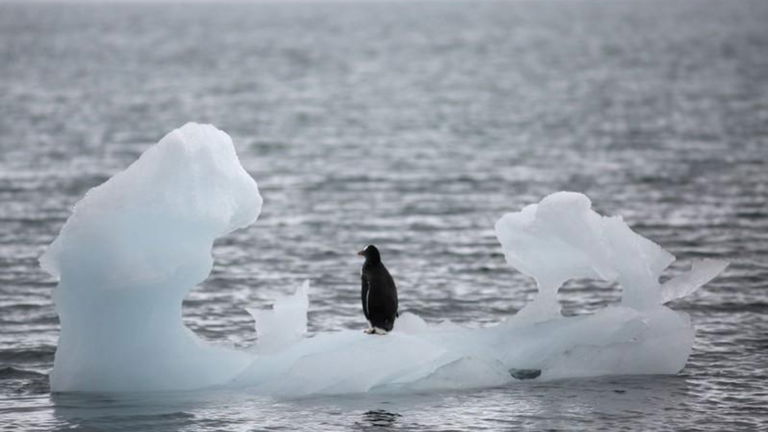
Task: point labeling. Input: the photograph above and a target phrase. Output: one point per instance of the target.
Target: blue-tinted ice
(137, 244)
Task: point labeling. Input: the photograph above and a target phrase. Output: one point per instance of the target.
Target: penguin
(378, 293)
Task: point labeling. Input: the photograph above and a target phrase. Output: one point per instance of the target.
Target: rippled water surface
(413, 126)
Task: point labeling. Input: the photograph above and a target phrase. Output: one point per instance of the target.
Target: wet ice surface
(414, 127)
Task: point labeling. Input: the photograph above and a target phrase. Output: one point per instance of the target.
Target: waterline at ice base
(137, 244)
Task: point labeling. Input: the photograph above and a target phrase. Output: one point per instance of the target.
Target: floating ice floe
(137, 244)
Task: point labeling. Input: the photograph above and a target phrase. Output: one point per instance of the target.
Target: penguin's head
(370, 253)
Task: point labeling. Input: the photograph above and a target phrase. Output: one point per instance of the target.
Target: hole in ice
(586, 296)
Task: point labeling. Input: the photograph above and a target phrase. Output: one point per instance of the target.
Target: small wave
(10, 372)
(43, 354)
(731, 307)
(23, 381)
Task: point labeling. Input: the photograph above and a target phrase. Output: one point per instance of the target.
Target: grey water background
(413, 126)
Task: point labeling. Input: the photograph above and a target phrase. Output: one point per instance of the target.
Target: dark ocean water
(413, 126)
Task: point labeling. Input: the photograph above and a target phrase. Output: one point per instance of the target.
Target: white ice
(135, 245)
(129, 253)
(285, 323)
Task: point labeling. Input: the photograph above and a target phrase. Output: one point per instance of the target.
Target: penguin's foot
(369, 330)
(379, 331)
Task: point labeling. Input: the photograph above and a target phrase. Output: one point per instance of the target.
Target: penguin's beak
(361, 253)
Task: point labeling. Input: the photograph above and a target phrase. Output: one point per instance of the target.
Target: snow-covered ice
(135, 245)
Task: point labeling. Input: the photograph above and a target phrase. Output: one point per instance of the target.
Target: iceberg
(129, 253)
(137, 244)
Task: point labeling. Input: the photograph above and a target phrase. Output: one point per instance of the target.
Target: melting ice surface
(135, 245)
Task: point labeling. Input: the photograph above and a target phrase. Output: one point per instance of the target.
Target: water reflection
(633, 402)
(379, 419)
(164, 411)
(642, 401)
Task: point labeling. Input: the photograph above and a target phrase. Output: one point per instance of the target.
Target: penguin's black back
(379, 293)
